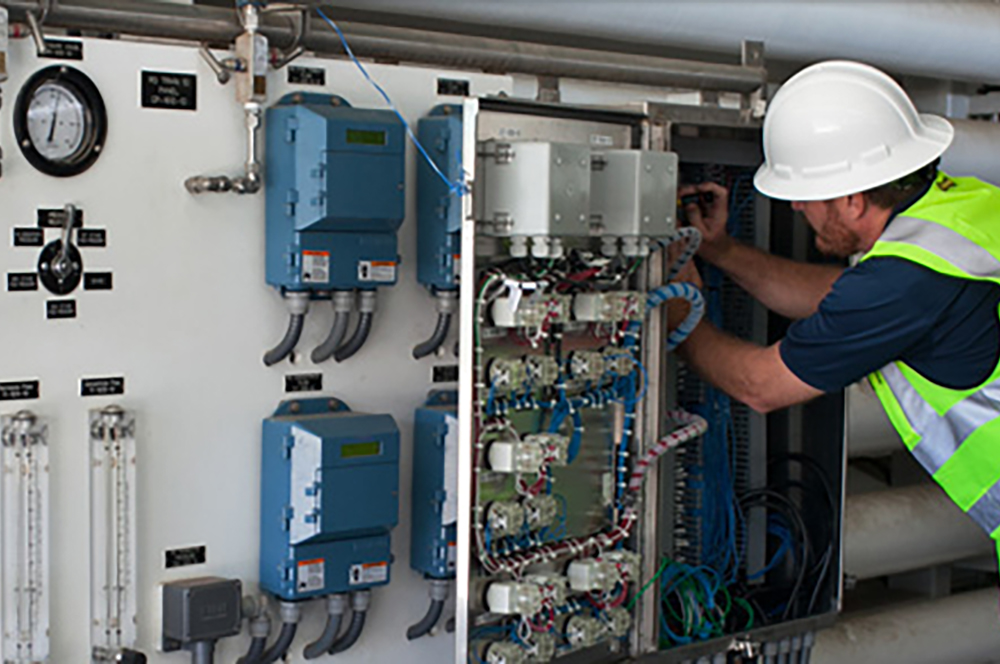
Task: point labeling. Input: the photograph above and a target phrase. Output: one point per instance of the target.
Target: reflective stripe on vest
(942, 435)
(945, 243)
(954, 230)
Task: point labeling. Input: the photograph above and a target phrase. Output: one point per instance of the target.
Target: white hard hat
(839, 128)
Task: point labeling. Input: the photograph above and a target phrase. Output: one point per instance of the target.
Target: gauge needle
(55, 117)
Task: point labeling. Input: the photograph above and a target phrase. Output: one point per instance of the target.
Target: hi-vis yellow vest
(955, 434)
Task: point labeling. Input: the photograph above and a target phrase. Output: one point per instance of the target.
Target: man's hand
(709, 218)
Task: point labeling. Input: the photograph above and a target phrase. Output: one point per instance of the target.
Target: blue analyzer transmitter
(335, 185)
(435, 472)
(329, 499)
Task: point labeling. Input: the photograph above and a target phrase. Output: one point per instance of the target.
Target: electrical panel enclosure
(434, 503)
(329, 499)
(335, 194)
(634, 193)
(439, 208)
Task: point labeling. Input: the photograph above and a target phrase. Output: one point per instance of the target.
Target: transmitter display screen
(366, 137)
(360, 450)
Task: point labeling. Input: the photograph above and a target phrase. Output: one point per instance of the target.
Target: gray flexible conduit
(352, 634)
(287, 345)
(325, 350)
(281, 646)
(326, 639)
(440, 334)
(255, 651)
(428, 621)
(357, 339)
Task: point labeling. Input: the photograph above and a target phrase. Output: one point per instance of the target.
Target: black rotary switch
(60, 265)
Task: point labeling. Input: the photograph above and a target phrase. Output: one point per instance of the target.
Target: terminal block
(505, 518)
(556, 446)
(603, 574)
(541, 512)
(618, 621)
(586, 365)
(506, 373)
(555, 588)
(514, 598)
(610, 307)
(542, 370)
(516, 456)
(505, 652)
(536, 310)
(584, 631)
(618, 361)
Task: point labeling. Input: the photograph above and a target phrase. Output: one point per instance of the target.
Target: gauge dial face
(60, 121)
(56, 122)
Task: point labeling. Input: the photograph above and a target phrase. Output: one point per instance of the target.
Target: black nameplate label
(92, 237)
(19, 390)
(22, 281)
(98, 281)
(60, 309)
(446, 373)
(304, 382)
(29, 237)
(102, 387)
(307, 75)
(192, 555)
(62, 49)
(170, 90)
(453, 87)
(49, 218)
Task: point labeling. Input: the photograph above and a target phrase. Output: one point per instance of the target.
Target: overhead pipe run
(900, 530)
(975, 151)
(951, 40)
(869, 432)
(199, 23)
(959, 628)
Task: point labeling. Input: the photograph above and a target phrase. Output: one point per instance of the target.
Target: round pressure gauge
(60, 121)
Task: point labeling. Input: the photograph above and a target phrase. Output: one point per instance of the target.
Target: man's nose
(798, 206)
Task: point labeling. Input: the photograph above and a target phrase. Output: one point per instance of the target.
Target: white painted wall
(187, 324)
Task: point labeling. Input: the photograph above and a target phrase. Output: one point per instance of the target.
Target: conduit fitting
(360, 335)
(360, 601)
(336, 606)
(254, 609)
(447, 303)
(291, 614)
(343, 305)
(438, 591)
(298, 306)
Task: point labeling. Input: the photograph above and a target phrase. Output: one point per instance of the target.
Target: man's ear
(854, 206)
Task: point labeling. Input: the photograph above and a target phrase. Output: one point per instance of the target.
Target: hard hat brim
(934, 136)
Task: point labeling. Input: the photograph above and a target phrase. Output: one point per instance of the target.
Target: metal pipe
(899, 530)
(975, 151)
(201, 23)
(943, 40)
(203, 652)
(959, 628)
(869, 432)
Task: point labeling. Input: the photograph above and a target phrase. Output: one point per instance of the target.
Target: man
(918, 314)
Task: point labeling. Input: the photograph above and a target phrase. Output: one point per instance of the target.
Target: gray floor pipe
(203, 652)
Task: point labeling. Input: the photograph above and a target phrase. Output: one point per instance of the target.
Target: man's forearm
(755, 375)
(787, 287)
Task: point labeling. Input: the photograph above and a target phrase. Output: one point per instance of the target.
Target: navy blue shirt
(889, 309)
